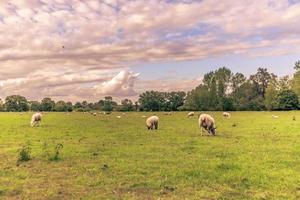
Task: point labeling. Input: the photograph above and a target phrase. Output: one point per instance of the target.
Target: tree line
(220, 90)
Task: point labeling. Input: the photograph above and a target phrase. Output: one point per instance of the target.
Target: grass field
(252, 157)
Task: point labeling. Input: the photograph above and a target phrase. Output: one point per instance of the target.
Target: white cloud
(120, 85)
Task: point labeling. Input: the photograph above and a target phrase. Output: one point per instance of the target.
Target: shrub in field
(25, 153)
(53, 155)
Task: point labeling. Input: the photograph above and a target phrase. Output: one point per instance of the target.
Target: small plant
(58, 147)
(25, 153)
(52, 156)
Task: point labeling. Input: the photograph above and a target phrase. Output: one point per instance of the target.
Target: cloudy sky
(86, 49)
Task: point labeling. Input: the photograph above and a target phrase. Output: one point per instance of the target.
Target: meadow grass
(253, 156)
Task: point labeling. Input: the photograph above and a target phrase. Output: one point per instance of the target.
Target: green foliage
(24, 153)
(34, 105)
(16, 103)
(47, 104)
(126, 105)
(287, 100)
(61, 106)
(109, 104)
(52, 155)
(161, 101)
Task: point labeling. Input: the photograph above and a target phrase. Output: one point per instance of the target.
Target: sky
(76, 50)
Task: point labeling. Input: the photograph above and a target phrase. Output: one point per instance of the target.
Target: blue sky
(280, 65)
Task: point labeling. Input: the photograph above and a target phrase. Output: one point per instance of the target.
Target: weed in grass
(55, 155)
(25, 153)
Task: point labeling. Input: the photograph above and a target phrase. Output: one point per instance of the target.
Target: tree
(287, 100)
(127, 105)
(175, 100)
(297, 65)
(109, 104)
(2, 106)
(60, 106)
(69, 106)
(152, 101)
(16, 103)
(261, 80)
(271, 94)
(34, 105)
(47, 104)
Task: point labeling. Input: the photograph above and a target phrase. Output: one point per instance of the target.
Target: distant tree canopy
(219, 90)
(16, 103)
(161, 101)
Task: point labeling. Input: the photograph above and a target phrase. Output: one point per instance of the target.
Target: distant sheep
(152, 122)
(144, 116)
(119, 117)
(36, 119)
(275, 116)
(226, 114)
(94, 114)
(208, 123)
(190, 114)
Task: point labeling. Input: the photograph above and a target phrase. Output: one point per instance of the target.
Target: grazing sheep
(94, 114)
(123, 113)
(119, 117)
(190, 114)
(208, 123)
(226, 114)
(152, 122)
(36, 119)
(275, 116)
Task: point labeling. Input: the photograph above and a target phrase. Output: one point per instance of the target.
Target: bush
(25, 153)
(54, 155)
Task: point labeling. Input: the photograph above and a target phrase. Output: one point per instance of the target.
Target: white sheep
(144, 116)
(190, 114)
(152, 122)
(36, 119)
(119, 117)
(275, 116)
(226, 114)
(208, 123)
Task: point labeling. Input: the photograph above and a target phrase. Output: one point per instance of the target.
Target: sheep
(152, 122)
(226, 114)
(190, 114)
(208, 123)
(94, 114)
(275, 116)
(119, 117)
(144, 116)
(36, 119)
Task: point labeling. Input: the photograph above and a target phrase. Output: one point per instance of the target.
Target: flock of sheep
(205, 121)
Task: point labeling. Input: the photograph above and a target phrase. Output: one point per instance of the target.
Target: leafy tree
(16, 103)
(152, 101)
(297, 65)
(174, 100)
(2, 106)
(60, 106)
(34, 106)
(69, 106)
(287, 100)
(127, 105)
(270, 96)
(109, 104)
(261, 80)
(47, 104)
